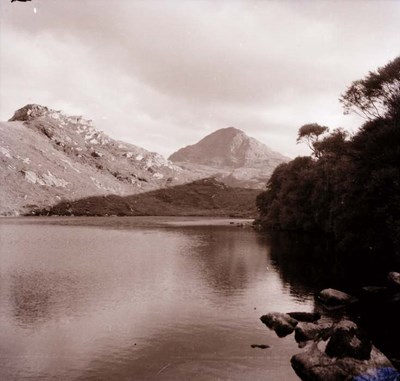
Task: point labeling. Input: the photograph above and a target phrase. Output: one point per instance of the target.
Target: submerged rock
(281, 323)
(262, 346)
(334, 298)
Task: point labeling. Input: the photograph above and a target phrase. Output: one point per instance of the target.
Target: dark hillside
(206, 197)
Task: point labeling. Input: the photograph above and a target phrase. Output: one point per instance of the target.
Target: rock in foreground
(335, 298)
(281, 323)
(306, 331)
(348, 340)
(315, 365)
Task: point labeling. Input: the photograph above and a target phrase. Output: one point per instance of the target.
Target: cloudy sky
(163, 74)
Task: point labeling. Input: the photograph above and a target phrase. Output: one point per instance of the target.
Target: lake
(143, 299)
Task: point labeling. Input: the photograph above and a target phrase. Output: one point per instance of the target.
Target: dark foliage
(376, 94)
(350, 187)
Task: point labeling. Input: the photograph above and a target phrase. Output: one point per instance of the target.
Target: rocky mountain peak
(228, 131)
(228, 147)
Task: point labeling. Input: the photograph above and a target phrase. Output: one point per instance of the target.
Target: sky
(164, 74)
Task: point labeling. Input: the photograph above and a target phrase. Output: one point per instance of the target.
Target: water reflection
(39, 296)
(307, 262)
(130, 302)
(228, 259)
(31, 297)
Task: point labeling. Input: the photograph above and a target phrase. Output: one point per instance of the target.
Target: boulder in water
(334, 298)
(281, 323)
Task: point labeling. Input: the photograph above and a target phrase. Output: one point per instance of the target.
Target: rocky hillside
(205, 197)
(46, 156)
(232, 156)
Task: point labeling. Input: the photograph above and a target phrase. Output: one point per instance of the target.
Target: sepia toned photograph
(199, 190)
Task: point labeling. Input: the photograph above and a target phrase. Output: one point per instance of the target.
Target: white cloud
(162, 77)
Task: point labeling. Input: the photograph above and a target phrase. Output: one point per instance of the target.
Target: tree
(286, 202)
(352, 192)
(375, 95)
(309, 134)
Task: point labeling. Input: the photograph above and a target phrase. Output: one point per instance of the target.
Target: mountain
(205, 197)
(235, 158)
(47, 156)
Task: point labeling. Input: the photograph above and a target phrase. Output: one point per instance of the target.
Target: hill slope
(46, 156)
(231, 155)
(206, 197)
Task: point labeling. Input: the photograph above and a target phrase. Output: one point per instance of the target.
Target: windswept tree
(310, 134)
(375, 95)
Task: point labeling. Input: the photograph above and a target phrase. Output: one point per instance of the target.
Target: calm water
(141, 299)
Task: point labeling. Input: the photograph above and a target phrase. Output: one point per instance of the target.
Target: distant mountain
(47, 156)
(232, 156)
(205, 197)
